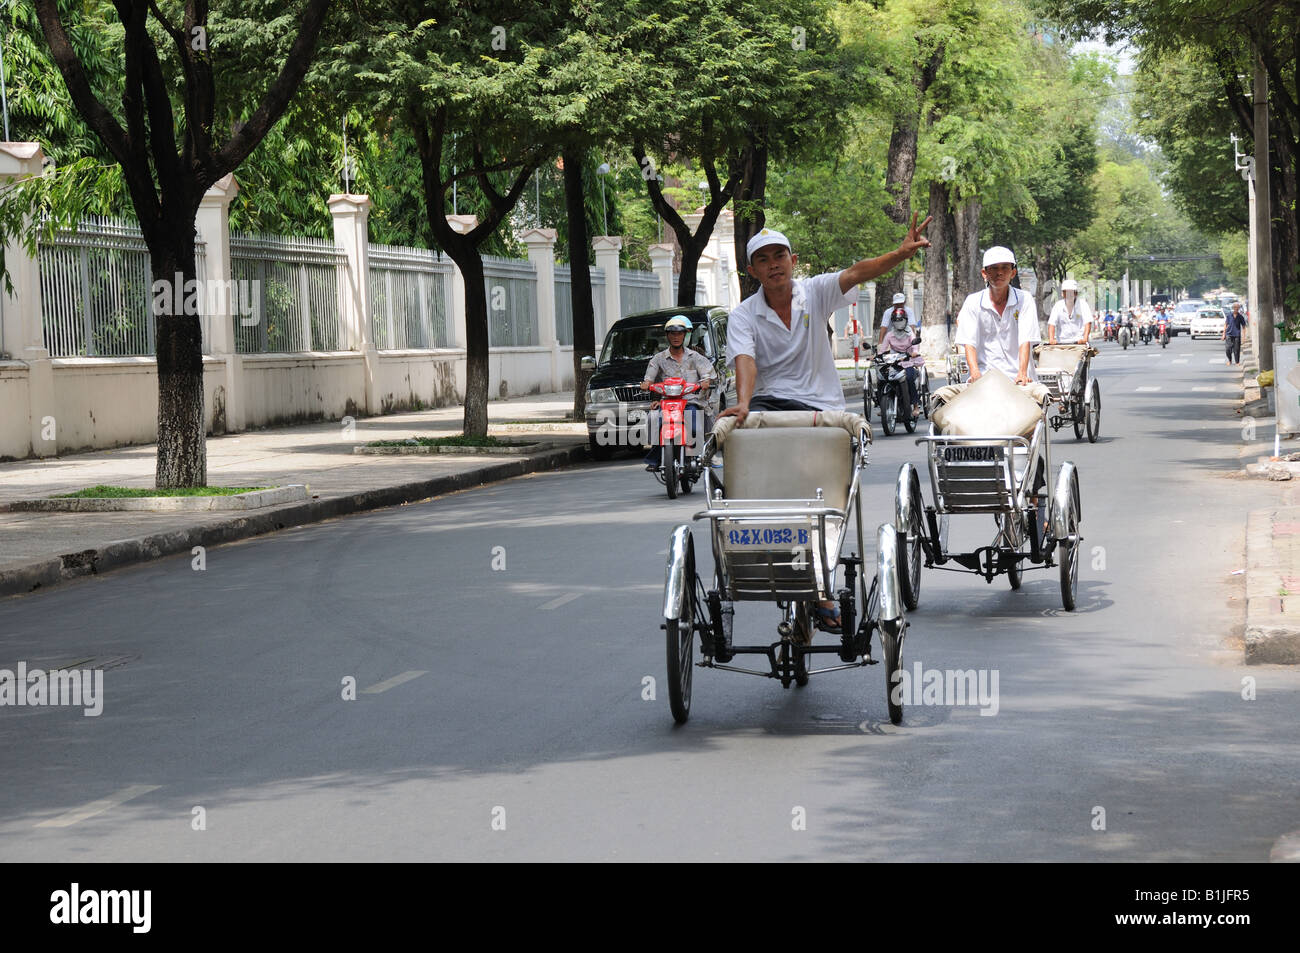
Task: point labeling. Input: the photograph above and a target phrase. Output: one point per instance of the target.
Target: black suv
(616, 405)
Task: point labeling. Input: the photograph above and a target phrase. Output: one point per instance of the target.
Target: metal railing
(638, 291)
(97, 291)
(511, 287)
(295, 304)
(410, 297)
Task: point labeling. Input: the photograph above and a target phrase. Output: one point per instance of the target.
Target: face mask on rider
(899, 327)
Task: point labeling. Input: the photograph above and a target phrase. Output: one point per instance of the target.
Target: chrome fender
(1089, 391)
(680, 549)
(904, 497)
(891, 595)
(1062, 500)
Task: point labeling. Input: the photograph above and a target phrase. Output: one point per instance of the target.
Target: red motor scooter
(1162, 330)
(678, 467)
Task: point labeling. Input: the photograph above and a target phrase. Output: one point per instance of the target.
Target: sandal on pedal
(823, 619)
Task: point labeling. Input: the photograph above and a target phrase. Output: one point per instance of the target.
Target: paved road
(514, 695)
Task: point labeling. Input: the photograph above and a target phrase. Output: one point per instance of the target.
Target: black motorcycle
(887, 385)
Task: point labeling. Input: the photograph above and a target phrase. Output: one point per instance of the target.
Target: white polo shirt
(796, 362)
(1070, 324)
(997, 338)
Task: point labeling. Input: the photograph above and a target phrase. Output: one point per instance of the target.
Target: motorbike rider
(677, 360)
(900, 301)
(899, 338)
(1071, 316)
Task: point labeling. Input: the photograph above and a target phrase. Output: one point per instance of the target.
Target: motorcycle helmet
(678, 321)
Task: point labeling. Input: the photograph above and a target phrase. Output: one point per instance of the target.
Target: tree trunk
(1042, 275)
(751, 196)
(900, 167)
(935, 305)
(688, 277)
(182, 445)
(966, 278)
(584, 312)
(476, 342)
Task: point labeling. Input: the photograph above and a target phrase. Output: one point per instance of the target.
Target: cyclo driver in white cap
(774, 337)
(1071, 318)
(999, 325)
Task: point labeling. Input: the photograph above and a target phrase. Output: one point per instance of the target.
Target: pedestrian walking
(1232, 334)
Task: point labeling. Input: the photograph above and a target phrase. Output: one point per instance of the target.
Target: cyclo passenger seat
(783, 458)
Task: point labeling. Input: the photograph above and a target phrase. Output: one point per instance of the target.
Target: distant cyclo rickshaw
(779, 521)
(989, 452)
(1064, 369)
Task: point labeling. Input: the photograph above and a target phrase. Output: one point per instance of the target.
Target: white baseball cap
(765, 236)
(1069, 284)
(998, 255)
(900, 298)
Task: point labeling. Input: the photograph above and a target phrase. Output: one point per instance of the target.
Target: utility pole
(1263, 220)
(1245, 164)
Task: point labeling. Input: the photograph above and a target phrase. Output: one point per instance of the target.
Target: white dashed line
(393, 682)
(1147, 390)
(99, 807)
(1201, 390)
(1179, 360)
(561, 600)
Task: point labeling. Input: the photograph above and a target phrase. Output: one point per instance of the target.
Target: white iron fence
(96, 291)
(638, 291)
(564, 302)
(511, 288)
(410, 297)
(294, 293)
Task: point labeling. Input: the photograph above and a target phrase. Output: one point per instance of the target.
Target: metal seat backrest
(789, 463)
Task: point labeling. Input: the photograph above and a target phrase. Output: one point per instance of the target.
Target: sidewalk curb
(1270, 636)
(37, 574)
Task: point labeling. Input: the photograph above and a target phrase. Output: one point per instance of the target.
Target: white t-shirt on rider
(1070, 324)
(997, 338)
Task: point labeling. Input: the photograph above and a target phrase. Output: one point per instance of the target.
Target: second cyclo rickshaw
(779, 521)
(989, 453)
(1065, 370)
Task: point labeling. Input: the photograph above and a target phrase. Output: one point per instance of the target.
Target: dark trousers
(767, 402)
(1232, 347)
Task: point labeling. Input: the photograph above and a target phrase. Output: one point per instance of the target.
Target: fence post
(213, 224)
(21, 334)
(541, 252)
(350, 214)
(661, 260)
(461, 225)
(607, 247)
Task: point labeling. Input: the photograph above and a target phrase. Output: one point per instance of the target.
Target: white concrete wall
(15, 438)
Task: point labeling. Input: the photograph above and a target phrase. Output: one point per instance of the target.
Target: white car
(1208, 322)
(1180, 321)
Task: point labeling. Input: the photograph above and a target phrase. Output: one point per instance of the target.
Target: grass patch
(118, 492)
(456, 440)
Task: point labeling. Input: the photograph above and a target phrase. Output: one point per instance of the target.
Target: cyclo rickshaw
(989, 452)
(779, 520)
(1065, 370)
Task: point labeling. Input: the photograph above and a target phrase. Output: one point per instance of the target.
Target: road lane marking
(1147, 390)
(1179, 360)
(393, 682)
(560, 600)
(99, 807)
(1218, 360)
